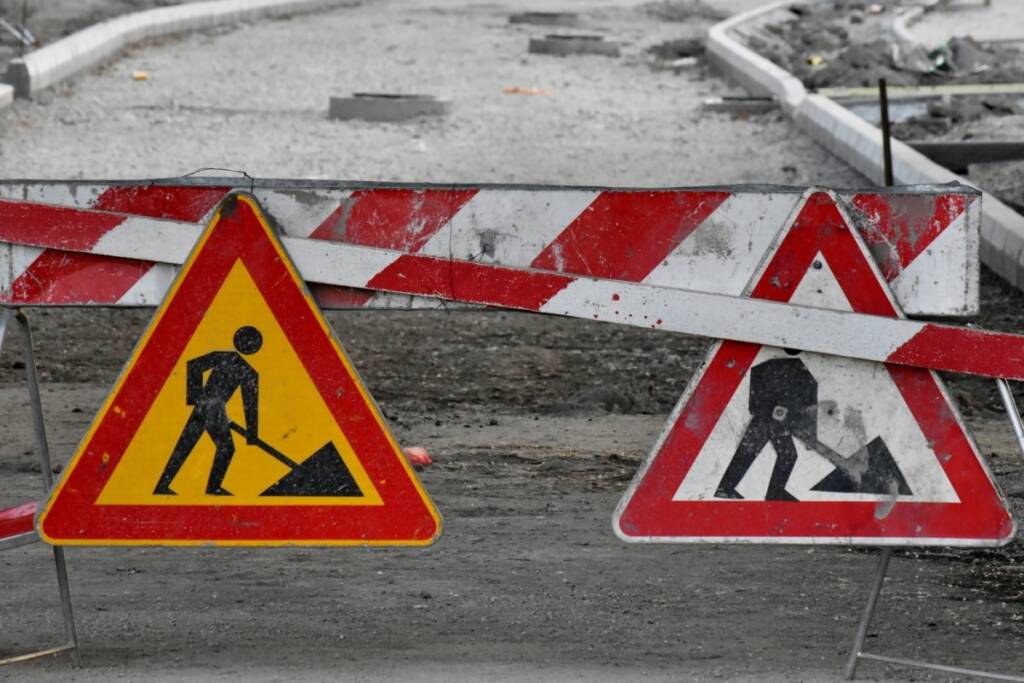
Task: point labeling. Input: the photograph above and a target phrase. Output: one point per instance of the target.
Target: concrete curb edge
(859, 143)
(94, 44)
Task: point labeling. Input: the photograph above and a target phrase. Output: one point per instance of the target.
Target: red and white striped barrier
(101, 234)
(710, 240)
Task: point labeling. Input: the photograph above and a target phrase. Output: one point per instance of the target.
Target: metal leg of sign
(862, 629)
(869, 611)
(1012, 412)
(42, 444)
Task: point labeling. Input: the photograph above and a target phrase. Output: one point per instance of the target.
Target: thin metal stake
(883, 106)
(1011, 410)
(39, 426)
(869, 612)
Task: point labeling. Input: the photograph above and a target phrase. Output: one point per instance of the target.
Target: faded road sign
(239, 420)
(775, 445)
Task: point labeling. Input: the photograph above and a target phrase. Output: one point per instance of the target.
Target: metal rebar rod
(883, 106)
(36, 655)
(869, 611)
(944, 668)
(43, 446)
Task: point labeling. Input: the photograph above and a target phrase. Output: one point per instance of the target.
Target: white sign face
(857, 414)
(776, 445)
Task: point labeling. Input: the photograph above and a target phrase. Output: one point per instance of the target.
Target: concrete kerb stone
(569, 44)
(756, 74)
(53, 63)
(545, 18)
(6, 95)
(859, 143)
(386, 107)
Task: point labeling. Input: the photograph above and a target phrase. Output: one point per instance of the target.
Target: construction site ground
(536, 424)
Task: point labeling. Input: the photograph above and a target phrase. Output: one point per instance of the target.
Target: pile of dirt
(845, 44)
(988, 119)
(848, 43)
(996, 117)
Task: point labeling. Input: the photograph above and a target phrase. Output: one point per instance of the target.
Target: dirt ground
(536, 424)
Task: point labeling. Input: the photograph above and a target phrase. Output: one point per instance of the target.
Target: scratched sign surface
(70, 243)
(775, 445)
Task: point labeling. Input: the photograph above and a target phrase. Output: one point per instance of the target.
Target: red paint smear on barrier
(393, 218)
(625, 235)
(900, 227)
(65, 277)
(469, 282)
(179, 203)
(17, 520)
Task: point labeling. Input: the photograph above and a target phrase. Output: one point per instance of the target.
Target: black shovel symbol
(322, 474)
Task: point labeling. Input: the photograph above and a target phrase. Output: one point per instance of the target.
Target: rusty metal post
(43, 446)
(883, 107)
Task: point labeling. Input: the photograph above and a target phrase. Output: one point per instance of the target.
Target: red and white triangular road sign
(772, 445)
(239, 420)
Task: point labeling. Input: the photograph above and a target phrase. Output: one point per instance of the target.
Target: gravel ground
(537, 424)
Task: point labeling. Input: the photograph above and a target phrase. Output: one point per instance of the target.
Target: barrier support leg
(883, 565)
(869, 612)
(1012, 412)
(43, 448)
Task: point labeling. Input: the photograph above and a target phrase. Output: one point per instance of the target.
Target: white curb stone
(90, 46)
(859, 143)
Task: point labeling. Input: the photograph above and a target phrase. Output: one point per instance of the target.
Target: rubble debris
(961, 118)
(836, 44)
(959, 155)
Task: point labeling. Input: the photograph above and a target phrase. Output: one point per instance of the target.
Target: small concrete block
(545, 18)
(563, 45)
(6, 95)
(386, 107)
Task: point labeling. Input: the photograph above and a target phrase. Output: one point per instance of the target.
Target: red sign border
(238, 231)
(648, 513)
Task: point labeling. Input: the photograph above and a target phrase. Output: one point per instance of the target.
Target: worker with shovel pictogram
(229, 372)
(783, 410)
(322, 474)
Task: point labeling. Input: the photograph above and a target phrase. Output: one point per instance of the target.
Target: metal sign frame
(43, 449)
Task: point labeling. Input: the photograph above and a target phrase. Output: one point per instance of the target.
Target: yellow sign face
(292, 416)
(239, 420)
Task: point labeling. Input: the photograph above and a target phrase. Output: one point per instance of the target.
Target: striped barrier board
(724, 316)
(82, 243)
